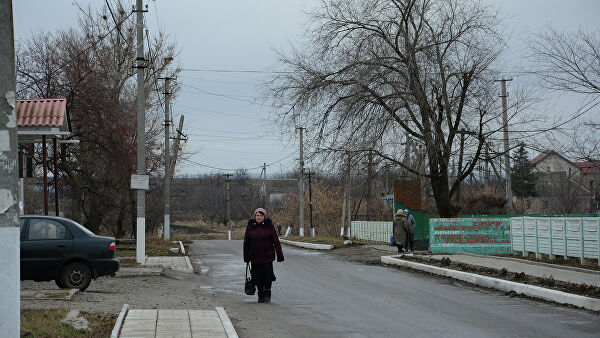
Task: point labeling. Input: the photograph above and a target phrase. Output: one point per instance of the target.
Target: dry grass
(154, 247)
(46, 323)
(199, 230)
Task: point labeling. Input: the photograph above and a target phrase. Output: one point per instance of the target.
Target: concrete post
(10, 308)
(140, 252)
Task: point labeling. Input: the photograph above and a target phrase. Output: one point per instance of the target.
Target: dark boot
(267, 295)
(261, 294)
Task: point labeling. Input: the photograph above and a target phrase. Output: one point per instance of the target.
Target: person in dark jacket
(410, 239)
(260, 245)
(400, 229)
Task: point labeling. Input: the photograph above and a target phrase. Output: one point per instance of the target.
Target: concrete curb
(500, 284)
(524, 261)
(229, 329)
(189, 264)
(119, 323)
(308, 245)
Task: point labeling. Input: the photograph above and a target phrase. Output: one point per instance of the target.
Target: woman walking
(260, 245)
(400, 229)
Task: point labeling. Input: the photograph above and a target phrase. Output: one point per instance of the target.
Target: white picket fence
(373, 231)
(557, 236)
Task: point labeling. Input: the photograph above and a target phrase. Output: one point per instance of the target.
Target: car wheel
(59, 283)
(76, 276)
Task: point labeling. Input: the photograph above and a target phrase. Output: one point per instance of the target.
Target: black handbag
(249, 287)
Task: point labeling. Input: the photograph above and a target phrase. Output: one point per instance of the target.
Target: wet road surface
(317, 294)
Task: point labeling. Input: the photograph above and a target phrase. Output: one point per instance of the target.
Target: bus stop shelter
(42, 121)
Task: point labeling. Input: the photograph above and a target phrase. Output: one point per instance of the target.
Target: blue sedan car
(59, 249)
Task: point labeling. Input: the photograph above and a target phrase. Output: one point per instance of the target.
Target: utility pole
(343, 204)
(10, 311)
(176, 146)
(301, 185)
(263, 185)
(142, 179)
(310, 205)
(167, 182)
(487, 165)
(509, 204)
(369, 184)
(228, 198)
(349, 197)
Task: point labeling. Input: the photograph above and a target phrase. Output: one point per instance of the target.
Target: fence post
(537, 241)
(582, 260)
(524, 252)
(551, 255)
(565, 238)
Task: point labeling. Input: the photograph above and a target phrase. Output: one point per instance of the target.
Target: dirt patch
(592, 264)
(46, 323)
(359, 254)
(546, 282)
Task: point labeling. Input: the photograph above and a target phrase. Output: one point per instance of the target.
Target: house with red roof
(565, 186)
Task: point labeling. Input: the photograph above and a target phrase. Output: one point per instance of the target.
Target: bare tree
(373, 71)
(90, 65)
(568, 61)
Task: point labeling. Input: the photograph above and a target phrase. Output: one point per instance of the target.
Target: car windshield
(84, 229)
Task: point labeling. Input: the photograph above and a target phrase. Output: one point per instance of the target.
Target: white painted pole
(10, 302)
(140, 252)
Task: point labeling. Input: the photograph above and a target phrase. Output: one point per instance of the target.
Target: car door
(46, 245)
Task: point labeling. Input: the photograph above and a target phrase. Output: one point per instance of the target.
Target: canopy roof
(42, 117)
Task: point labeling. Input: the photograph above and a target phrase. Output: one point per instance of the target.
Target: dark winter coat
(400, 229)
(261, 243)
(412, 226)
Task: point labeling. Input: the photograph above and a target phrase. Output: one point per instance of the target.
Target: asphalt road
(318, 294)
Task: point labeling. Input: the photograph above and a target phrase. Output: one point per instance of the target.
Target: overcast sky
(223, 43)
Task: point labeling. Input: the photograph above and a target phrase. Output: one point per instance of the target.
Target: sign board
(140, 182)
(474, 235)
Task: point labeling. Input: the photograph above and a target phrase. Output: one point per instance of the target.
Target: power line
(218, 112)
(237, 98)
(251, 71)
(218, 81)
(229, 169)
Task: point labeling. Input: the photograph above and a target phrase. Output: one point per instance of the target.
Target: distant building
(565, 187)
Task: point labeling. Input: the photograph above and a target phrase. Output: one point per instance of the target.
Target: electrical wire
(229, 169)
(218, 112)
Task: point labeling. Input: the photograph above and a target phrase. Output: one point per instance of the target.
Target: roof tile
(41, 112)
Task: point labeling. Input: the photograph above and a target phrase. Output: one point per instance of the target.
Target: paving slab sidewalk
(176, 323)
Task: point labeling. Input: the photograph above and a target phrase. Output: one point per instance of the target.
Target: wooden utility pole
(176, 146)
(228, 198)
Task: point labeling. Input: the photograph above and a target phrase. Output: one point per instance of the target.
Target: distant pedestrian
(400, 229)
(411, 230)
(278, 229)
(260, 245)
